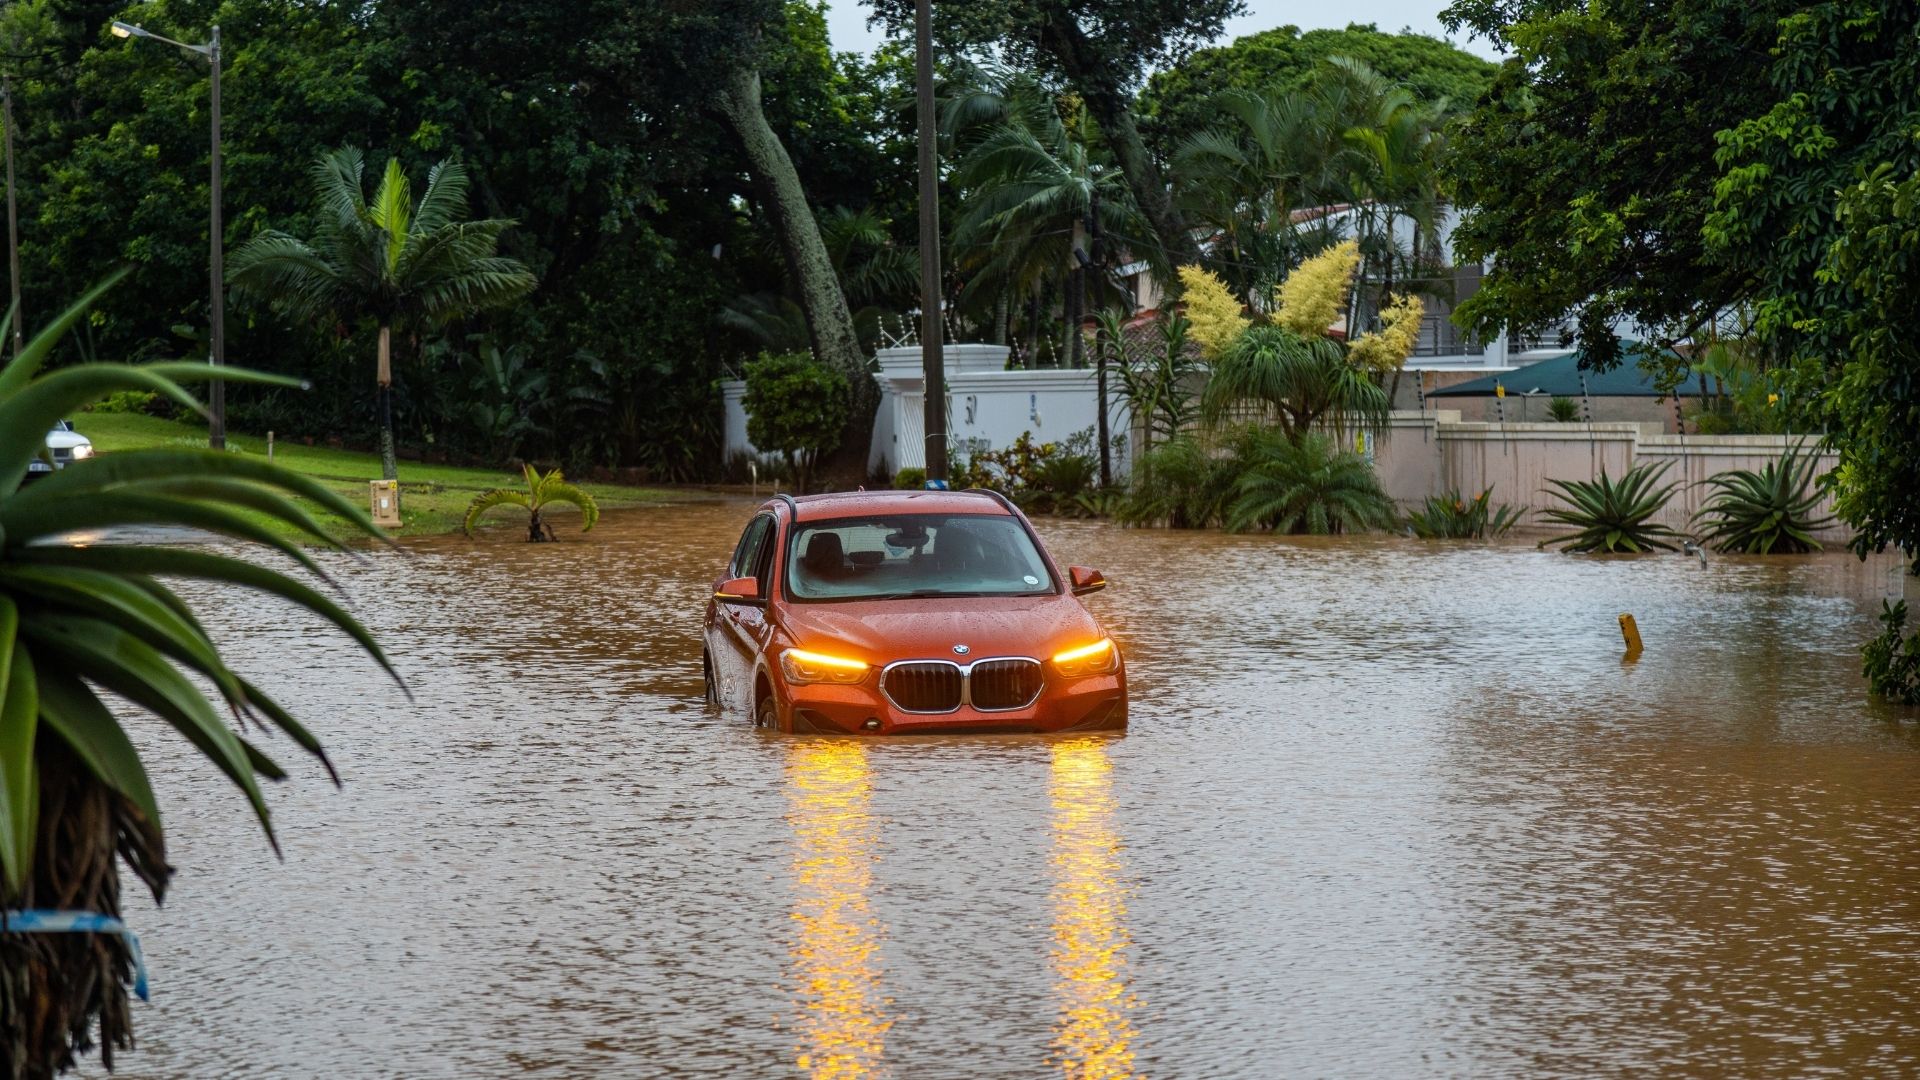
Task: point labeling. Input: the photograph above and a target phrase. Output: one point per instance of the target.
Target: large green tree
(1178, 101)
(1671, 164)
(1102, 49)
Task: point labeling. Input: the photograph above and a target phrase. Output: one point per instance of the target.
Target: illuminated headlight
(83, 451)
(1099, 658)
(802, 666)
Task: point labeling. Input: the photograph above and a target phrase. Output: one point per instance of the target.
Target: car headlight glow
(83, 451)
(1099, 658)
(803, 666)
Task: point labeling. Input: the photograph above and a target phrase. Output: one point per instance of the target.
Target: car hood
(881, 631)
(66, 440)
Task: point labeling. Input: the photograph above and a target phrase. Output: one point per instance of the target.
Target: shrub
(144, 402)
(796, 406)
(1613, 517)
(1042, 477)
(1455, 517)
(1764, 512)
(1305, 485)
(1891, 662)
(911, 478)
(542, 491)
(1181, 484)
(1563, 410)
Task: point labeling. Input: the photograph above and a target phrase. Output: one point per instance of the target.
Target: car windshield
(885, 557)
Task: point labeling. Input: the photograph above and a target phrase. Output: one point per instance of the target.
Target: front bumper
(1094, 703)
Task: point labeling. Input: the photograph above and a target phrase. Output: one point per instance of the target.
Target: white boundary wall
(1422, 454)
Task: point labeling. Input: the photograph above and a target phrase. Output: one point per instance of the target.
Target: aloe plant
(82, 624)
(1610, 516)
(1453, 516)
(1765, 511)
(542, 491)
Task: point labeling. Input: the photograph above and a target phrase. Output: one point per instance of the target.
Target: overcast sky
(847, 20)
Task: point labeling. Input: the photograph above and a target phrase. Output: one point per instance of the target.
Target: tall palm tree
(390, 259)
(86, 624)
(1029, 185)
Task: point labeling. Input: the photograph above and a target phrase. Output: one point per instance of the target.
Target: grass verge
(433, 498)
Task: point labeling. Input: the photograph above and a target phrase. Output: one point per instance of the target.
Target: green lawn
(433, 498)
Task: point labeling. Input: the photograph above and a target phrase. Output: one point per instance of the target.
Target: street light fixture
(217, 316)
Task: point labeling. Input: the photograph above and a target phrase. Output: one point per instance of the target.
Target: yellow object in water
(1630, 633)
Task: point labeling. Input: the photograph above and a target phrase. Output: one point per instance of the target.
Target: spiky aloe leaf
(1765, 511)
(1613, 516)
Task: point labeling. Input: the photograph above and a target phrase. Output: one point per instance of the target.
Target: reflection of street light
(217, 316)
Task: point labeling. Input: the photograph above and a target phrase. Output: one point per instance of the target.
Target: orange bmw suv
(907, 612)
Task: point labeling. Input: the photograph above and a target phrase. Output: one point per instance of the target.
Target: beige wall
(1427, 454)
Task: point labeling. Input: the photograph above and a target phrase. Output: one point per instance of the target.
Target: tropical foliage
(1765, 511)
(1454, 516)
(542, 492)
(388, 259)
(1157, 376)
(85, 624)
(1891, 661)
(1305, 484)
(1610, 516)
(796, 406)
(1301, 381)
(1214, 316)
(1182, 484)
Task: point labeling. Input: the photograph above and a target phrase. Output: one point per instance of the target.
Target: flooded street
(1386, 808)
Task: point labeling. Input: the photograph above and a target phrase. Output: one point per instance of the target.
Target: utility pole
(13, 218)
(1100, 344)
(932, 344)
(217, 393)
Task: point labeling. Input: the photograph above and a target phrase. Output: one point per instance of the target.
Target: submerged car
(907, 612)
(64, 446)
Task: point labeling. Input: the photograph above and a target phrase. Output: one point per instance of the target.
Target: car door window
(763, 559)
(753, 543)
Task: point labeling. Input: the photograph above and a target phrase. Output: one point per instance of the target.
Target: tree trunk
(389, 467)
(829, 323)
(58, 990)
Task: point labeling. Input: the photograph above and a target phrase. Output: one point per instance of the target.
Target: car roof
(854, 503)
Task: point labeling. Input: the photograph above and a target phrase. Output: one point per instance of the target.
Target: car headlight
(803, 666)
(83, 451)
(1099, 658)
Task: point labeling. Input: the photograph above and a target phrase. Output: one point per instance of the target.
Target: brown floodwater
(1386, 808)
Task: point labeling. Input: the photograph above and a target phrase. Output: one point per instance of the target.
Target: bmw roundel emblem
(961, 650)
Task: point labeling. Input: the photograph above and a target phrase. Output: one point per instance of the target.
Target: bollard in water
(1630, 633)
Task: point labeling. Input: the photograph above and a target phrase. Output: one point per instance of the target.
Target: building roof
(1563, 377)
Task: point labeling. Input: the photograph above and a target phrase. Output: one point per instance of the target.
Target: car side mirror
(740, 590)
(1085, 579)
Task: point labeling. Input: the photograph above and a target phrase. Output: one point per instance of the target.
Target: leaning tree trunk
(58, 991)
(829, 323)
(389, 467)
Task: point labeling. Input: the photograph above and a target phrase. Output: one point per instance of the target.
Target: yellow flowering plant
(1387, 348)
(1214, 314)
(1312, 297)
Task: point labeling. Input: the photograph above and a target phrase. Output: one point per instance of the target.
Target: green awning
(1562, 377)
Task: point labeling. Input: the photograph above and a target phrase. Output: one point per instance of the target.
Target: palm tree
(541, 492)
(83, 624)
(388, 258)
(1305, 485)
(1301, 380)
(1029, 184)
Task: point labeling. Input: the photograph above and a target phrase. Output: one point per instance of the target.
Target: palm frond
(489, 499)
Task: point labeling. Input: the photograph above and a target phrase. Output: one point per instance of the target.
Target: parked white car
(65, 446)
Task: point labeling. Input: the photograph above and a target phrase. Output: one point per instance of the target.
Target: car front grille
(1003, 684)
(62, 455)
(936, 686)
(928, 687)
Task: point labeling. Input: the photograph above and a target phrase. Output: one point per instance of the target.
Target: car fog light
(872, 724)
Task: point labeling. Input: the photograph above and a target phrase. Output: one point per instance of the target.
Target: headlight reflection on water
(835, 952)
(1095, 1036)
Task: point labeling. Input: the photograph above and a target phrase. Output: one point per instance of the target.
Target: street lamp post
(216, 272)
(13, 222)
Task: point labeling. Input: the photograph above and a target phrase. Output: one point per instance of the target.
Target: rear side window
(748, 557)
